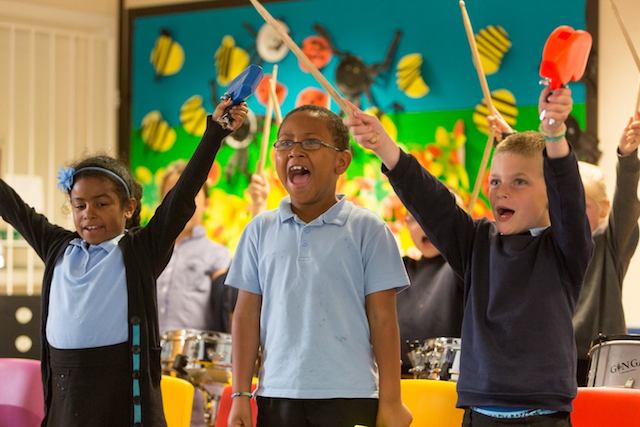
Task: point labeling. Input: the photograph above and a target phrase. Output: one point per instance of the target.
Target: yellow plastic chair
(177, 401)
(432, 403)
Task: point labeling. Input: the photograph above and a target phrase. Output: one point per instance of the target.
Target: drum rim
(617, 337)
(610, 340)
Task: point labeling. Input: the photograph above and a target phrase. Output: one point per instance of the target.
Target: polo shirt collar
(336, 214)
(107, 245)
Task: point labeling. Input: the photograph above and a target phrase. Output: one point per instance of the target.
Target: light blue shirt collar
(336, 214)
(107, 245)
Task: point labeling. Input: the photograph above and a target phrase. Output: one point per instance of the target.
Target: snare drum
(615, 362)
(207, 353)
(437, 359)
(209, 357)
(172, 343)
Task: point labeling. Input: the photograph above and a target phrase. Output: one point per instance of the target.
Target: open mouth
(504, 214)
(299, 175)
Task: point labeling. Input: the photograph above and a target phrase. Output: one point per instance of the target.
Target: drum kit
(202, 358)
(615, 360)
(435, 359)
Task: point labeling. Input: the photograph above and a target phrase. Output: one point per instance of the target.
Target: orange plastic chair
(224, 407)
(177, 401)
(21, 395)
(432, 403)
(606, 406)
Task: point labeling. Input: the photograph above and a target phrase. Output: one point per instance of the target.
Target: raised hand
(554, 107)
(499, 126)
(630, 138)
(369, 133)
(258, 191)
(238, 113)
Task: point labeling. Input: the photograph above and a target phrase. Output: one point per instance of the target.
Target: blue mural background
(432, 28)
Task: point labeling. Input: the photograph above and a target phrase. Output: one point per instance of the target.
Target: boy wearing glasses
(317, 279)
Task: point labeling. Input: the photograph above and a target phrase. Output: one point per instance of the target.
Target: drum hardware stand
(178, 366)
(601, 338)
(417, 368)
(212, 393)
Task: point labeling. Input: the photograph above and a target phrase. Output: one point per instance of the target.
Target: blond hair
(177, 167)
(527, 144)
(593, 182)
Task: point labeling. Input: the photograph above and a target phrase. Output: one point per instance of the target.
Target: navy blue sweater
(518, 348)
(432, 306)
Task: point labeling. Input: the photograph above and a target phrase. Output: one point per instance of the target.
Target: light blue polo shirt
(313, 279)
(88, 299)
(184, 287)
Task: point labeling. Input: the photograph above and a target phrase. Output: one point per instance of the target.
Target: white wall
(618, 86)
(58, 103)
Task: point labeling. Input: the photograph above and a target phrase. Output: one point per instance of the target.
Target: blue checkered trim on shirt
(501, 412)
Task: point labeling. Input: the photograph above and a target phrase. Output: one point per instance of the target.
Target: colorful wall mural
(409, 62)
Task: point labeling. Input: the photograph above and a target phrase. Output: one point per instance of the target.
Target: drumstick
(487, 96)
(266, 133)
(630, 45)
(476, 57)
(625, 33)
(481, 172)
(274, 94)
(301, 56)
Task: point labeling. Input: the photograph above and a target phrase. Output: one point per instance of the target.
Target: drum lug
(629, 383)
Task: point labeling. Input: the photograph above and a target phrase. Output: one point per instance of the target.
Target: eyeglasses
(307, 145)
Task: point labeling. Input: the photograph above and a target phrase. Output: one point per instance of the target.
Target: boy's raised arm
(625, 209)
(567, 211)
(448, 226)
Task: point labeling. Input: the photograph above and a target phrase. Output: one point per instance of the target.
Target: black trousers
(474, 419)
(582, 372)
(278, 412)
(90, 387)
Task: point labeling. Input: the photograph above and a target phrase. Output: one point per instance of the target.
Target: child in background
(317, 279)
(615, 235)
(522, 273)
(432, 306)
(184, 287)
(100, 343)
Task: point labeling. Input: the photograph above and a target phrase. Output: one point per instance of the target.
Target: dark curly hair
(338, 129)
(120, 169)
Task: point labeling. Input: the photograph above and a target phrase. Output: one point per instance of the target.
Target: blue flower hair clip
(65, 178)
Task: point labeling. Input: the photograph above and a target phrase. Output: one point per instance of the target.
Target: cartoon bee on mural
(167, 56)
